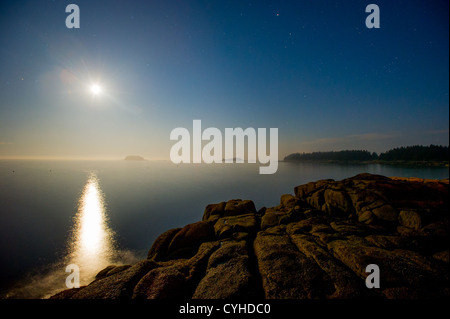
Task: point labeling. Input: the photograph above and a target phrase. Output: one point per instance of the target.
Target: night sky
(309, 68)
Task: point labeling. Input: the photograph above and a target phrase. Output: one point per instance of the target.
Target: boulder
(175, 278)
(111, 270)
(185, 243)
(410, 219)
(292, 215)
(214, 211)
(390, 242)
(66, 294)
(338, 202)
(442, 256)
(238, 207)
(164, 283)
(270, 219)
(402, 293)
(316, 199)
(346, 283)
(117, 286)
(227, 226)
(288, 201)
(346, 228)
(367, 217)
(158, 251)
(386, 213)
(277, 257)
(229, 274)
(303, 191)
(398, 268)
(306, 225)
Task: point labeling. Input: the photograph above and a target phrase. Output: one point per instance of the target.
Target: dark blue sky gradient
(310, 68)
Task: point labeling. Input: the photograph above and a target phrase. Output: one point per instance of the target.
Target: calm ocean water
(56, 212)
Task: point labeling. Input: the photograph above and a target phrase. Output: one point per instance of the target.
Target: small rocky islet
(315, 244)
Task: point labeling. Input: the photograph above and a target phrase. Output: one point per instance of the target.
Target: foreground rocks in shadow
(314, 244)
(229, 273)
(286, 272)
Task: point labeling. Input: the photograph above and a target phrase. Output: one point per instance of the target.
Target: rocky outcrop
(316, 244)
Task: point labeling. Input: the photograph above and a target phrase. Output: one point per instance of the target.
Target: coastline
(314, 245)
(412, 164)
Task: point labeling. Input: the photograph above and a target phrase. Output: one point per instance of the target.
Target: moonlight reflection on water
(91, 246)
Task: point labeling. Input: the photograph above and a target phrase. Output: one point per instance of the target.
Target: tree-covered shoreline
(432, 155)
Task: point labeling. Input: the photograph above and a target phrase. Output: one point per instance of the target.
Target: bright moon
(96, 89)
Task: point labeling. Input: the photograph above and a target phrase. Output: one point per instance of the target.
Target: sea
(57, 215)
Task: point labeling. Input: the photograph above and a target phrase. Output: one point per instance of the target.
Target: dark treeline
(416, 153)
(333, 156)
(409, 153)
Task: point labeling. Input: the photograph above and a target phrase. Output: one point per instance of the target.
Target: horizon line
(121, 158)
(72, 158)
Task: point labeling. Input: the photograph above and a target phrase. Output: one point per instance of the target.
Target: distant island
(432, 155)
(235, 160)
(134, 158)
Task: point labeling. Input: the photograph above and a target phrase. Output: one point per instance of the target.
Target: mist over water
(97, 213)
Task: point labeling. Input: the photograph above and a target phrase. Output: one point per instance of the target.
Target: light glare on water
(91, 244)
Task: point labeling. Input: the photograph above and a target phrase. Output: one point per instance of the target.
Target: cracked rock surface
(315, 244)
